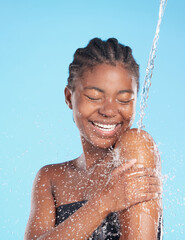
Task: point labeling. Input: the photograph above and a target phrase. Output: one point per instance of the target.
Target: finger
(146, 180)
(142, 172)
(124, 167)
(148, 170)
(144, 197)
(135, 187)
(149, 189)
(144, 183)
(155, 189)
(149, 196)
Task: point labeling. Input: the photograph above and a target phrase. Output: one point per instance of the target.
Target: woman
(111, 191)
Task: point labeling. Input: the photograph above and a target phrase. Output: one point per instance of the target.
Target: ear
(68, 95)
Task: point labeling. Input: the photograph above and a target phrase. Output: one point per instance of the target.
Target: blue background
(37, 42)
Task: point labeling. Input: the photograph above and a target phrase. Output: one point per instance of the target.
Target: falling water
(150, 67)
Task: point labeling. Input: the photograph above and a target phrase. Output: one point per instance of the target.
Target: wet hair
(98, 52)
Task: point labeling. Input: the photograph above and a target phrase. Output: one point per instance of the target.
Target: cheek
(84, 108)
(128, 112)
(82, 111)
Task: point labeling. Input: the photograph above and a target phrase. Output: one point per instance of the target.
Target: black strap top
(108, 230)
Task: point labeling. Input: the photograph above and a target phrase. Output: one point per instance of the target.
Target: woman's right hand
(128, 186)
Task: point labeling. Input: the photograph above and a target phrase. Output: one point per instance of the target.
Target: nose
(108, 108)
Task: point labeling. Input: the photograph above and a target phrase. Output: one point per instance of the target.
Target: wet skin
(106, 95)
(103, 105)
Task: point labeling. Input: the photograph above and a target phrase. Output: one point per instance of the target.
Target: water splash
(150, 67)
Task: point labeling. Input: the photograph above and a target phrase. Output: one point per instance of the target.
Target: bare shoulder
(43, 184)
(43, 203)
(140, 146)
(52, 171)
(44, 178)
(137, 136)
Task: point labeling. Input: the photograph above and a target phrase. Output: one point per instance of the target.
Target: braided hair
(99, 52)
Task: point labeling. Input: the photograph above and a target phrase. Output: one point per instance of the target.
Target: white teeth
(105, 126)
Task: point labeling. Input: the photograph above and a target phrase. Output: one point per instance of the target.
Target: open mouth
(106, 128)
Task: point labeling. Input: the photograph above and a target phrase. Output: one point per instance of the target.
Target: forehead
(104, 75)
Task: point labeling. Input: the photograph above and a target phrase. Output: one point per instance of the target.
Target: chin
(104, 143)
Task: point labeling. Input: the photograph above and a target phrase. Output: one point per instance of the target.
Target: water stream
(150, 67)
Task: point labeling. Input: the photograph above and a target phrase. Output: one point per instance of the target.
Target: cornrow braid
(98, 52)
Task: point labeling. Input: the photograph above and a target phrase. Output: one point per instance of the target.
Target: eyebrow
(100, 90)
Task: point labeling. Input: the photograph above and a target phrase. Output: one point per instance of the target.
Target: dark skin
(103, 105)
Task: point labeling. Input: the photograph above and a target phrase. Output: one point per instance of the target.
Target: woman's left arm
(142, 220)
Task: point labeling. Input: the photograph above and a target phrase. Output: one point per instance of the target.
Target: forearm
(80, 225)
(141, 221)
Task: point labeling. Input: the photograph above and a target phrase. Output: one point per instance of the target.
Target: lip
(103, 132)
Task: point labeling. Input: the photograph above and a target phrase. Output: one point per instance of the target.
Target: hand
(128, 186)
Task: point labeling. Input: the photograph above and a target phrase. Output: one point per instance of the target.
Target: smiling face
(103, 104)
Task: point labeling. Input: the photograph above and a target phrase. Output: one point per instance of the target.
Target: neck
(91, 155)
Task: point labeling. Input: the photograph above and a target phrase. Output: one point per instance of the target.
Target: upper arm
(141, 220)
(42, 215)
(141, 146)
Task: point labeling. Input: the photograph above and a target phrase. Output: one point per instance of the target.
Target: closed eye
(93, 98)
(125, 101)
